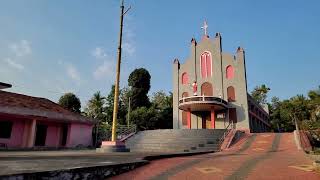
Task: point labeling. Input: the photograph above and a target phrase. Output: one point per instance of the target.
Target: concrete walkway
(86, 164)
(258, 156)
(43, 161)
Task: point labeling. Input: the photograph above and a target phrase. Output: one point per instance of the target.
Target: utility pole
(116, 89)
(129, 110)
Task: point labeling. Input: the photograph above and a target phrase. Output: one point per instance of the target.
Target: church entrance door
(206, 120)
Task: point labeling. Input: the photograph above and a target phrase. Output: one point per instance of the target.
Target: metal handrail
(122, 131)
(228, 130)
(202, 98)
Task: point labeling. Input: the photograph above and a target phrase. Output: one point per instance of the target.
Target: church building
(210, 90)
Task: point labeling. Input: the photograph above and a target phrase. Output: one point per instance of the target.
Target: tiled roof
(18, 104)
(5, 85)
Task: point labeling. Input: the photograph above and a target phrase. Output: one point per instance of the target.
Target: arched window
(185, 94)
(229, 72)
(184, 78)
(206, 64)
(206, 89)
(231, 94)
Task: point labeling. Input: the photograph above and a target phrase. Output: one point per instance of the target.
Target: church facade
(210, 90)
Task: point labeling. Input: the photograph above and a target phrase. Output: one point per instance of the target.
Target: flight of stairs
(176, 140)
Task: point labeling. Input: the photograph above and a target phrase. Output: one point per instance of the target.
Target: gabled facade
(210, 88)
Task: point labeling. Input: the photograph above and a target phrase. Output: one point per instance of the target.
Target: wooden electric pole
(116, 89)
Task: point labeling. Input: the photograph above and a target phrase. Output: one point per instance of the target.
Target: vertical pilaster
(32, 134)
(189, 118)
(213, 119)
(175, 116)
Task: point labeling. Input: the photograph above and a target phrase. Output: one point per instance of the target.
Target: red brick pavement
(283, 164)
(154, 168)
(224, 163)
(259, 161)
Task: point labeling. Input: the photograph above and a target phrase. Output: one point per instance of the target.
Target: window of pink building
(230, 72)
(206, 64)
(185, 78)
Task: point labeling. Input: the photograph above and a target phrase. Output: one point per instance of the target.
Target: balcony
(202, 103)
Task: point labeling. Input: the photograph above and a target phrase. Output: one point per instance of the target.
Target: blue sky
(51, 47)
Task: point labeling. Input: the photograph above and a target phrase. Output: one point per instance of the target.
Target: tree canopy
(156, 114)
(304, 110)
(71, 102)
(139, 83)
(260, 94)
(95, 106)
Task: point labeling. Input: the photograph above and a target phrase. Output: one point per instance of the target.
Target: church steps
(176, 140)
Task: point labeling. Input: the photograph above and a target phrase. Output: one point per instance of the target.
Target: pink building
(27, 122)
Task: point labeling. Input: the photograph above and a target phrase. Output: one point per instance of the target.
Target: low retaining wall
(302, 140)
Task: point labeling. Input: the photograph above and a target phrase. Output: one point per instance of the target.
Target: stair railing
(123, 131)
(228, 130)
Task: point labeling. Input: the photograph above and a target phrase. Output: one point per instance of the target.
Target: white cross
(205, 27)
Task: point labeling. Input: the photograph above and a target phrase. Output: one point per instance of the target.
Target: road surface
(257, 156)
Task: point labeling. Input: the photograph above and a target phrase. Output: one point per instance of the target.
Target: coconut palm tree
(95, 106)
(95, 109)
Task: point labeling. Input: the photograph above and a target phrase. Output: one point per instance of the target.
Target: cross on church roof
(205, 27)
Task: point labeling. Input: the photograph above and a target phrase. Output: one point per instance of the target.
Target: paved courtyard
(258, 156)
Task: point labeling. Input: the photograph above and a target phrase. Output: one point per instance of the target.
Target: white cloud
(14, 64)
(99, 53)
(73, 73)
(104, 70)
(21, 48)
(129, 48)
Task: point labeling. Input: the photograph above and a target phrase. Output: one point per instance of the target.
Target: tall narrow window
(229, 72)
(231, 94)
(184, 78)
(206, 64)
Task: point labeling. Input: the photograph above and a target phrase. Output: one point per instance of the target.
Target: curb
(162, 156)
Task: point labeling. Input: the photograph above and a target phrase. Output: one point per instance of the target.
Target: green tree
(314, 105)
(122, 109)
(95, 107)
(299, 108)
(161, 100)
(260, 94)
(139, 83)
(163, 103)
(274, 110)
(145, 118)
(71, 102)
